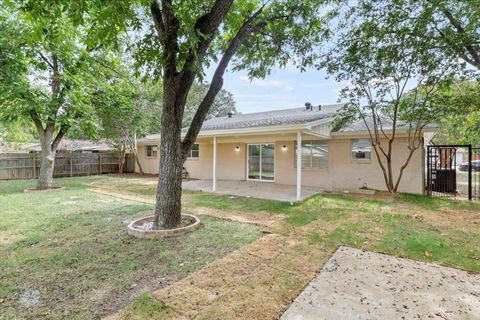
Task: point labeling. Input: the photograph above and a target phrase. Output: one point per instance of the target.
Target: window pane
(320, 154)
(194, 151)
(314, 154)
(362, 149)
(254, 161)
(268, 161)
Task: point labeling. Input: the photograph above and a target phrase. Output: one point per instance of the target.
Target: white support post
(299, 165)
(214, 175)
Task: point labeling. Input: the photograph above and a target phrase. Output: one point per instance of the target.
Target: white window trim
(366, 160)
(146, 151)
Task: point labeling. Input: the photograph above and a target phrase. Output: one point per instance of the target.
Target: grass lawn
(412, 226)
(305, 235)
(66, 254)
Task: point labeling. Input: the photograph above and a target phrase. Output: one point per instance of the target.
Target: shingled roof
(386, 124)
(271, 118)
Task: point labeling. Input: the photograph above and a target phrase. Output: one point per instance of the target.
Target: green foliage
(461, 124)
(292, 29)
(14, 133)
(53, 67)
(129, 106)
(385, 48)
(222, 105)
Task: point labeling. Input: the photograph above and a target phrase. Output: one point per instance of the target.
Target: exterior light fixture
(284, 147)
(237, 148)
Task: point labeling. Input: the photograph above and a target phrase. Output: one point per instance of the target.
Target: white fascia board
(252, 131)
(241, 131)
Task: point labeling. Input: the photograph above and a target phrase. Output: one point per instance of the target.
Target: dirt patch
(259, 218)
(29, 298)
(254, 282)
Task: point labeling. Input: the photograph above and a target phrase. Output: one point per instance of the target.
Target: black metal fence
(448, 177)
(475, 164)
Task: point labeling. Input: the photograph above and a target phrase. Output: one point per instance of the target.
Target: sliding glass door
(261, 162)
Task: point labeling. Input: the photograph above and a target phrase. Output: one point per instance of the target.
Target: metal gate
(448, 177)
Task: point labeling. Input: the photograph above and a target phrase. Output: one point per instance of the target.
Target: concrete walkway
(261, 190)
(355, 284)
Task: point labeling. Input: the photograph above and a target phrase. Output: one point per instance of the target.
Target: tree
(50, 74)
(129, 108)
(461, 123)
(183, 39)
(391, 86)
(447, 26)
(192, 34)
(121, 118)
(221, 106)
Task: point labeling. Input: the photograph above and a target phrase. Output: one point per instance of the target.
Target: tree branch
(36, 120)
(217, 82)
(58, 138)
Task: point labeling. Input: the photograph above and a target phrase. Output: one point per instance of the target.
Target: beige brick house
(262, 147)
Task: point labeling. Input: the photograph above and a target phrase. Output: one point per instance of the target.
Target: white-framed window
(194, 152)
(152, 151)
(314, 154)
(361, 149)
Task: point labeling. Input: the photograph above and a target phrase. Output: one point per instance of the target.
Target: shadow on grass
(437, 204)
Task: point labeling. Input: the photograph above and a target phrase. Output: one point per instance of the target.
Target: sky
(282, 89)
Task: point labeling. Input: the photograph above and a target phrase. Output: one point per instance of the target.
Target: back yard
(66, 254)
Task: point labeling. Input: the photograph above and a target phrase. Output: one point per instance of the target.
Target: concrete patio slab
(260, 190)
(355, 284)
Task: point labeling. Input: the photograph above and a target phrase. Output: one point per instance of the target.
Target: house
(263, 146)
(74, 145)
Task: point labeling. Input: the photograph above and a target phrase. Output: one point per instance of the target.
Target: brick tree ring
(141, 228)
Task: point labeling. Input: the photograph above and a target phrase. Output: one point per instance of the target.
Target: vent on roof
(308, 106)
(230, 114)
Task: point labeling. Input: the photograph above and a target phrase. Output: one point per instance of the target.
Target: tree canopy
(49, 69)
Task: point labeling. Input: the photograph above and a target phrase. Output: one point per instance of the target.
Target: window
(314, 154)
(194, 151)
(361, 149)
(152, 151)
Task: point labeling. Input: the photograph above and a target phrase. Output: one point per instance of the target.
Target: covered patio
(260, 190)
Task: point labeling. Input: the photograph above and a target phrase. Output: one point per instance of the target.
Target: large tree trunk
(45, 176)
(169, 192)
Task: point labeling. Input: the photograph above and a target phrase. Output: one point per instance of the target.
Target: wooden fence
(69, 164)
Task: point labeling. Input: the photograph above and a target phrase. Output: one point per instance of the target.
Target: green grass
(72, 247)
(147, 307)
(370, 223)
(408, 237)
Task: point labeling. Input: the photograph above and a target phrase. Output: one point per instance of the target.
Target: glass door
(261, 162)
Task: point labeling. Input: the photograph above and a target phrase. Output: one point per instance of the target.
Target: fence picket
(24, 166)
